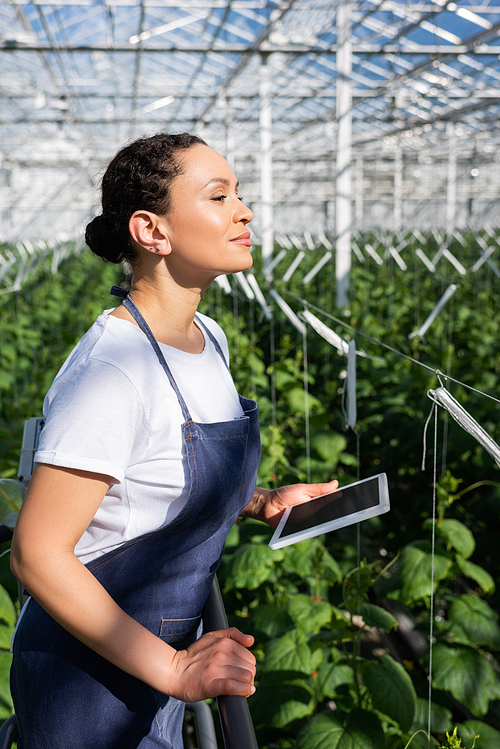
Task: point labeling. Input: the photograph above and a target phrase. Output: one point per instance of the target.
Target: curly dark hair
(138, 178)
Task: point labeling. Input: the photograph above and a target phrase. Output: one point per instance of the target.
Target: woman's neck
(169, 310)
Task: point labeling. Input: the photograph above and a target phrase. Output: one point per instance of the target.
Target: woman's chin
(244, 264)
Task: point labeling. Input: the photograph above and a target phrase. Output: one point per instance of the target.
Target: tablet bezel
(278, 542)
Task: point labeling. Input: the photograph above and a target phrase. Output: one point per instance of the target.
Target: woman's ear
(148, 231)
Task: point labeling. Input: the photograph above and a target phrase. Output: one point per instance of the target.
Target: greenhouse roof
(81, 77)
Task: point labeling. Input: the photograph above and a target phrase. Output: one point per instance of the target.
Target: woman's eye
(220, 197)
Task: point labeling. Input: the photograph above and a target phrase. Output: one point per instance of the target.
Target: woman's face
(207, 223)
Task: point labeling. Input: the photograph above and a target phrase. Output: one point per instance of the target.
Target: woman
(142, 468)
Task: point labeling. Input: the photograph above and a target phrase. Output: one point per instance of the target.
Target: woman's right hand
(218, 663)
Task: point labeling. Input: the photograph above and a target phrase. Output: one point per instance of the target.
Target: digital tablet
(345, 506)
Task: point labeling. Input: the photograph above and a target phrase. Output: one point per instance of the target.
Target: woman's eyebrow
(220, 179)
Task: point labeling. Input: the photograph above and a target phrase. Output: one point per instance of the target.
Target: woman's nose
(243, 214)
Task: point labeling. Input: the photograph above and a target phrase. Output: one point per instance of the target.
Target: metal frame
(290, 93)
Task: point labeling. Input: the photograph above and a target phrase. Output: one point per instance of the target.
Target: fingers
(240, 640)
(218, 663)
(315, 490)
(234, 634)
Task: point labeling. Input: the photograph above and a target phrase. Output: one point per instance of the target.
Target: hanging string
(306, 405)
(349, 411)
(252, 348)
(433, 545)
(435, 371)
(273, 396)
(444, 451)
(424, 450)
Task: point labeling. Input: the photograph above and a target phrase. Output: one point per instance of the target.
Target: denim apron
(66, 696)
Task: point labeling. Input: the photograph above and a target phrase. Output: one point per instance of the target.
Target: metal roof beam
(439, 50)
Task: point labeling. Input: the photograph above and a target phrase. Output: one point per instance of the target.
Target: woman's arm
(58, 507)
(269, 505)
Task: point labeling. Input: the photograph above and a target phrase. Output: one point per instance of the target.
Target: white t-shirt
(112, 410)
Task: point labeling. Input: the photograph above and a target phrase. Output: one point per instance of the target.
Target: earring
(155, 249)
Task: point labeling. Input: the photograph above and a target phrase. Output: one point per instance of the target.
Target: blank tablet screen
(343, 502)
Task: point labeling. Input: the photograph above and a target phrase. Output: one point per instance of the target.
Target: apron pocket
(179, 633)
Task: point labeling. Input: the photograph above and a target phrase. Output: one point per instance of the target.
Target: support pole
(359, 192)
(229, 132)
(451, 188)
(266, 165)
(343, 209)
(398, 189)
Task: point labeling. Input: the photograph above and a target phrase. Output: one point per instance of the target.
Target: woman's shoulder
(110, 345)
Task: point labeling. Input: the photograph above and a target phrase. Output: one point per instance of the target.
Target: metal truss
(80, 78)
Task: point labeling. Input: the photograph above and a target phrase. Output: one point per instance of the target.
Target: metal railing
(236, 723)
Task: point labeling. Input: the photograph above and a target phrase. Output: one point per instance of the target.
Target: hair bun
(101, 238)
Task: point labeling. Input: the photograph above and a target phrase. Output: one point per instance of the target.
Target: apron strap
(141, 322)
(132, 308)
(214, 341)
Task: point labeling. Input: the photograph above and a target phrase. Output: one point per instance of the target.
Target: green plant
(313, 608)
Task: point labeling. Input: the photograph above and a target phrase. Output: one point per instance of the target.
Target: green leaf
(391, 689)
(457, 535)
(233, 537)
(415, 570)
(311, 559)
(5, 637)
(296, 401)
(6, 707)
(289, 653)
(489, 737)
(272, 621)
(494, 689)
(280, 705)
(478, 574)
(251, 566)
(465, 673)
(11, 497)
(440, 717)
(341, 618)
(332, 675)
(475, 620)
(332, 572)
(375, 616)
(361, 730)
(328, 445)
(7, 609)
(324, 731)
(309, 615)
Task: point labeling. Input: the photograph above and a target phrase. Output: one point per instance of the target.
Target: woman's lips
(243, 239)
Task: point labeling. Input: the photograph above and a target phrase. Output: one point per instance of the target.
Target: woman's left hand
(269, 505)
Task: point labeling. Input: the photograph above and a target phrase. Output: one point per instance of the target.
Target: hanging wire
(306, 405)
(448, 370)
(273, 394)
(357, 331)
(253, 385)
(433, 546)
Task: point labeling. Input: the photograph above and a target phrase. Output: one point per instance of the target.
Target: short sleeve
(94, 422)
